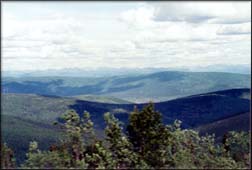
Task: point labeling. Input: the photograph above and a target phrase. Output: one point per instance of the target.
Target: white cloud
(138, 17)
(197, 12)
(235, 29)
(156, 34)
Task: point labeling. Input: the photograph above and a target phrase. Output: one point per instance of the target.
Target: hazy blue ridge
(160, 86)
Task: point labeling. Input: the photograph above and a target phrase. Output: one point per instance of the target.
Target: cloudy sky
(56, 35)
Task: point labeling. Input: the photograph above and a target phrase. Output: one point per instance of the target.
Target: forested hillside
(30, 117)
(139, 88)
(147, 143)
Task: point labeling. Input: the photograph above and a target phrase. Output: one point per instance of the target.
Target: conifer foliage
(148, 135)
(146, 144)
(7, 157)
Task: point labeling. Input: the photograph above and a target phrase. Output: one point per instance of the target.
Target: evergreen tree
(119, 145)
(148, 135)
(7, 157)
(186, 149)
(56, 159)
(237, 145)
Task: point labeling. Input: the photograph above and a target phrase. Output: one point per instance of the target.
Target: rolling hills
(192, 110)
(238, 122)
(27, 117)
(159, 86)
(211, 102)
(101, 99)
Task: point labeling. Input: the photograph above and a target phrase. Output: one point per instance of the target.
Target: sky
(87, 35)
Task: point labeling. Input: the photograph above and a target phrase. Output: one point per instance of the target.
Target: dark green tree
(56, 158)
(237, 145)
(186, 149)
(148, 135)
(120, 147)
(70, 153)
(7, 157)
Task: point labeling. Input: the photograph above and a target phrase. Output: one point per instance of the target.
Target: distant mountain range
(76, 72)
(108, 72)
(159, 86)
(27, 117)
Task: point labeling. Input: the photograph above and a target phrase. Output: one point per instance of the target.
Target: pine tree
(7, 157)
(148, 135)
(119, 145)
(237, 145)
(46, 159)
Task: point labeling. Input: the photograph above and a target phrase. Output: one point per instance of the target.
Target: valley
(205, 101)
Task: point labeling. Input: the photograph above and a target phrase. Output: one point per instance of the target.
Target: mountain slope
(101, 99)
(193, 110)
(30, 117)
(160, 86)
(219, 128)
(18, 132)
